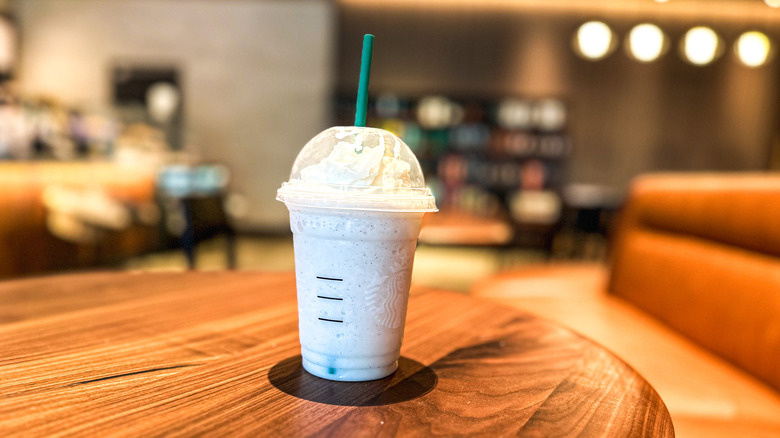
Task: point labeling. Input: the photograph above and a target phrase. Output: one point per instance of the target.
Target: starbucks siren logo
(385, 295)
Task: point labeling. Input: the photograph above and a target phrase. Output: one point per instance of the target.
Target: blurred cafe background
(153, 134)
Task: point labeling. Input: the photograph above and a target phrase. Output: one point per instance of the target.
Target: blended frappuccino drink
(356, 198)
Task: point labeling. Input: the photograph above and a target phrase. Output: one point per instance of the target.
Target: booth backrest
(702, 254)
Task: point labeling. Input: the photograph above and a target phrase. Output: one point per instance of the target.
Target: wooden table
(218, 354)
(458, 228)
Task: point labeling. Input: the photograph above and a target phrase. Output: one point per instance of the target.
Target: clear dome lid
(348, 167)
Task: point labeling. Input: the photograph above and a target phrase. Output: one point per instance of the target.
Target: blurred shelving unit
(497, 167)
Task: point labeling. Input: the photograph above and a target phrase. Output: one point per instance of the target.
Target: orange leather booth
(690, 299)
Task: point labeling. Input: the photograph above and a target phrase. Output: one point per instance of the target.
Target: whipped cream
(357, 168)
(352, 163)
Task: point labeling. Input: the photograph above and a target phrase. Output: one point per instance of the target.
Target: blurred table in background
(461, 228)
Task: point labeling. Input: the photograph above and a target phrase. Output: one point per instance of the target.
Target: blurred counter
(59, 215)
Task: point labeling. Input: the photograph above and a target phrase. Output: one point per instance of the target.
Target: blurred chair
(587, 216)
(205, 218)
(193, 202)
(536, 218)
(691, 298)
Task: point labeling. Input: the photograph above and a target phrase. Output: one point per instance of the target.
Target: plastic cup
(354, 251)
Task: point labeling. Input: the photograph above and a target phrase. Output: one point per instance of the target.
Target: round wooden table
(218, 354)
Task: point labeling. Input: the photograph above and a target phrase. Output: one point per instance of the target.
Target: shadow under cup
(353, 271)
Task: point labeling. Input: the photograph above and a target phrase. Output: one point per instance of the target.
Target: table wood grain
(181, 354)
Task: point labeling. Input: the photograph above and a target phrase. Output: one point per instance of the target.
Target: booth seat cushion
(721, 297)
(700, 253)
(706, 395)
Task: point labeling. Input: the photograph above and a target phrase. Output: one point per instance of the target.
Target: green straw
(365, 72)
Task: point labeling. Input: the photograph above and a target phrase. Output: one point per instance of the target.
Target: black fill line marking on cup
(330, 279)
(329, 320)
(330, 298)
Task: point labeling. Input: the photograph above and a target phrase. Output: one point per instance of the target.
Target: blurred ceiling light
(753, 48)
(594, 40)
(661, 1)
(772, 3)
(700, 45)
(646, 42)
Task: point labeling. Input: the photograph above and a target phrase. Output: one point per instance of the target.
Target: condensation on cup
(356, 198)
